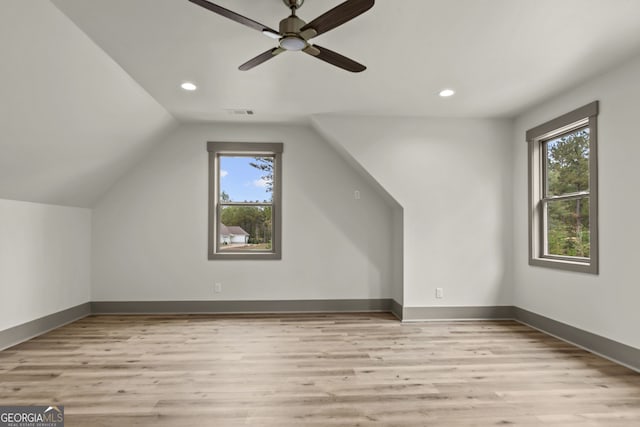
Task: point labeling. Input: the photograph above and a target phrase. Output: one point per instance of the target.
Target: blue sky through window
(241, 181)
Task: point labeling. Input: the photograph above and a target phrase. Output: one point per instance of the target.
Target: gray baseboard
(396, 309)
(260, 306)
(416, 314)
(605, 347)
(26, 331)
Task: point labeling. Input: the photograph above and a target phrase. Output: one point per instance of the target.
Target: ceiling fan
(294, 34)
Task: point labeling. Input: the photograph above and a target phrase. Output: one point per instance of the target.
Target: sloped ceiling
(72, 121)
(88, 86)
(502, 56)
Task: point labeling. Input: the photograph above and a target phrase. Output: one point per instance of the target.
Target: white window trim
(583, 116)
(216, 149)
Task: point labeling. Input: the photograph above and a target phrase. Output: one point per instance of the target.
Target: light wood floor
(314, 370)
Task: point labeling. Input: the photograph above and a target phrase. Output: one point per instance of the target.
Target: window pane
(567, 163)
(246, 179)
(568, 227)
(245, 228)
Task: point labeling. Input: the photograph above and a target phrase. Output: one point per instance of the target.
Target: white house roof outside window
(233, 234)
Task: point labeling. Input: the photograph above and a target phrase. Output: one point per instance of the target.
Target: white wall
(452, 177)
(44, 260)
(605, 304)
(71, 119)
(150, 230)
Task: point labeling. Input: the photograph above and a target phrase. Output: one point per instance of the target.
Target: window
(563, 192)
(245, 190)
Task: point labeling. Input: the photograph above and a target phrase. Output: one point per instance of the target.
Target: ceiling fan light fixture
(292, 43)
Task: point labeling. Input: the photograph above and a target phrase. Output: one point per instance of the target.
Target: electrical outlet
(439, 293)
(217, 288)
(356, 194)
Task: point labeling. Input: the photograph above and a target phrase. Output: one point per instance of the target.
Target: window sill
(562, 264)
(248, 256)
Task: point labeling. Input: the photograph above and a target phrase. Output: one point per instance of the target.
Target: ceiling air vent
(239, 112)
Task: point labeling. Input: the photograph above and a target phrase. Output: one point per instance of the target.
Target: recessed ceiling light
(447, 92)
(188, 86)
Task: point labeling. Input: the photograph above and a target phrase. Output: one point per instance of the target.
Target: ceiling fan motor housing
(290, 30)
(291, 25)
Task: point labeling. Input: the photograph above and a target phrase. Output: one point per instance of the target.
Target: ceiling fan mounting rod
(293, 4)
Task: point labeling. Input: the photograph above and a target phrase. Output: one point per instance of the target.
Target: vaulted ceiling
(72, 121)
(501, 56)
(89, 86)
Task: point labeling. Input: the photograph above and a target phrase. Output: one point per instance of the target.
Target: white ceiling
(501, 56)
(72, 121)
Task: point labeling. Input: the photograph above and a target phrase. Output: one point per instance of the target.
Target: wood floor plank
(315, 370)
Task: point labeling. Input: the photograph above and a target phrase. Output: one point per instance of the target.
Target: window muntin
(563, 192)
(245, 198)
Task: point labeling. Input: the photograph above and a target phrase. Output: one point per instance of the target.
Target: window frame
(583, 117)
(217, 149)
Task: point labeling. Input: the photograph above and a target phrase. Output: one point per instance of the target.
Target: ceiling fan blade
(334, 58)
(338, 15)
(236, 17)
(265, 56)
